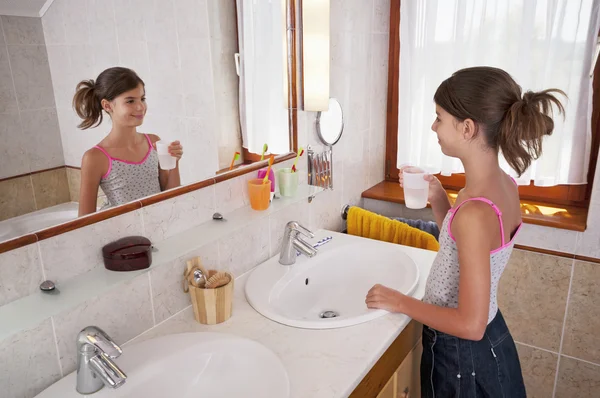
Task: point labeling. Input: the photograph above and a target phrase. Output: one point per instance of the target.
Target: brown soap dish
(131, 253)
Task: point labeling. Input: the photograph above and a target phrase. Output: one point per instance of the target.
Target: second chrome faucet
(292, 241)
(95, 368)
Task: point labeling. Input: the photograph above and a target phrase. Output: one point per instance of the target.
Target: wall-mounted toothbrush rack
(320, 168)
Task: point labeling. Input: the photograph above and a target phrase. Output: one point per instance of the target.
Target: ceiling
(24, 8)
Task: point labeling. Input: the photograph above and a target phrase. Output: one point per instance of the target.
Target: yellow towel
(370, 225)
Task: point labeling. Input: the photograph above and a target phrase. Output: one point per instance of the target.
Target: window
(559, 37)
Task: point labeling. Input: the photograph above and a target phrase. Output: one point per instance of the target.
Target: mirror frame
(294, 75)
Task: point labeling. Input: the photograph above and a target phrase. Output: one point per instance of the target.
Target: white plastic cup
(165, 160)
(416, 188)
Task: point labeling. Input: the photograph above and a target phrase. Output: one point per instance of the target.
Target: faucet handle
(108, 371)
(295, 226)
(97, 338)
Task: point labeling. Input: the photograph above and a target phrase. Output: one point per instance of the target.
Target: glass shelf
(31, 310)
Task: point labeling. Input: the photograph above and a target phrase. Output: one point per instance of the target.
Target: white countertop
(320, 363)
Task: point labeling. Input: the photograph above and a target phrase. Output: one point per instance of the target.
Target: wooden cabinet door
(408, 374)
(389, 391)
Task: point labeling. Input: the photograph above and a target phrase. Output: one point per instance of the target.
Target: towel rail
(344, 214)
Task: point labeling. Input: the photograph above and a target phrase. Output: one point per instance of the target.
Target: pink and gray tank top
(442, 284)
(128, 181)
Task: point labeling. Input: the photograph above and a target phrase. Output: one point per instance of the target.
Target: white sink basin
(199, 365)
(334, 282)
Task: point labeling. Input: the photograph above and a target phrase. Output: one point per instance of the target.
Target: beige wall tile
(74, 180)
(354, 182)
(63, 85)
(22, 30)
(51, 188)
(42, 134)
(13, 151)
(75, 20)
(101, 16)
(20, 273)
(192, 20)
(160, 21)
(28, 362)
(53, 24)
(577, 379)
(246, 248)
(170, 217)
(31, 74)
(533, 295)
(16, 197)
(539, 371)
(8, 98)
(582, 336)
(208, 158)
(325, 208)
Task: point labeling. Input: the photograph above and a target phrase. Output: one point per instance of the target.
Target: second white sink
(329, 290)
(190, 365)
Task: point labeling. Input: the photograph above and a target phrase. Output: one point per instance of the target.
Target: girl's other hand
(176, 150)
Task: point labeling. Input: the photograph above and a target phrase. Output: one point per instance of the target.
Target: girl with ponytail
(467, 347)
(125, 163)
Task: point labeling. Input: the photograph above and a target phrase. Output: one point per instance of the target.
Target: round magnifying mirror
(330, 123)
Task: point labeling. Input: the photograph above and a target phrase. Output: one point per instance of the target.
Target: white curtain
(263, 72)
(541, 43)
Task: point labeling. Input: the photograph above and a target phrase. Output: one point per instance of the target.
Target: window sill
(547, 215)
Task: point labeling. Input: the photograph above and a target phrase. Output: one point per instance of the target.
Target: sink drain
(328, 314)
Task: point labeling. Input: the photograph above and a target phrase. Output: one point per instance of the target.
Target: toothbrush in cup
(300, 152)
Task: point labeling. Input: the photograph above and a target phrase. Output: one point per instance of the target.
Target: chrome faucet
(292, 242)
(95, 368)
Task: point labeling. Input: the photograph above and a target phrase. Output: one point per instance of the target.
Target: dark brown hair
(512, 123)
(111, 83)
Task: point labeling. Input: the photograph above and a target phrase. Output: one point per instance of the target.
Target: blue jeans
(453, 367)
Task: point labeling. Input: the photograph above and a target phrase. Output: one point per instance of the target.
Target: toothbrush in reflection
(319, 243)
(236, 156)
(265, 149)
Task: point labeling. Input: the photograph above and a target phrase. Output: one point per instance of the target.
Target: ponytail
(527, 121)
(87, 105)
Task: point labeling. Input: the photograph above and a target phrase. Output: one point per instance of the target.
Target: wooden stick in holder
(211, 306)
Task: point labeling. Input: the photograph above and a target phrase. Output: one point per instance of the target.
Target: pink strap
(515, 181)
(109, 161)
(489, 202)
(150, 142)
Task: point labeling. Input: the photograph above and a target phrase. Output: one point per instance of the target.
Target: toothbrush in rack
(319, 243)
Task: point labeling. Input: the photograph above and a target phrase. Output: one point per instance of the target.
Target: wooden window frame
(563, 195)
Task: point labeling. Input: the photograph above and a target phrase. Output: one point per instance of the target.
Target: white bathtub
(31, 222)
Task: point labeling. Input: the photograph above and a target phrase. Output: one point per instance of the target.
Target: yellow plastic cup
(259, 194)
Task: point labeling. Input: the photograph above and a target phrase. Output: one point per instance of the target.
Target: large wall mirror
(217, 79)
